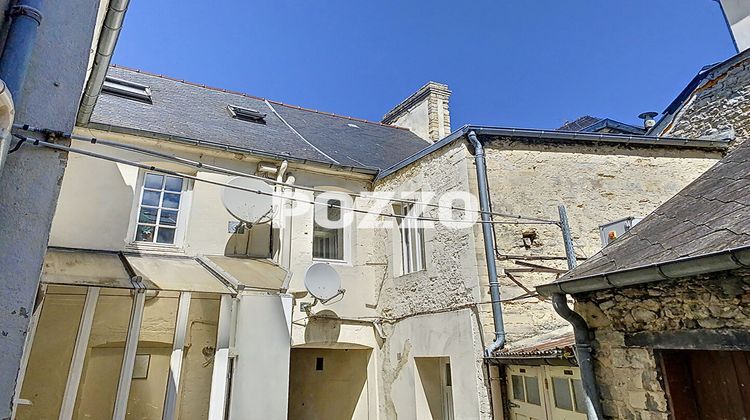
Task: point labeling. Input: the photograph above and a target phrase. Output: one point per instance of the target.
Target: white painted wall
(261, 372)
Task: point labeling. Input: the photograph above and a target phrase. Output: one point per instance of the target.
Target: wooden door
(565, 393)
(525, 393)
(707, 384)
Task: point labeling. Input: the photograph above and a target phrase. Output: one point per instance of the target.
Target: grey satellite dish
(323, 282)
(249, 207)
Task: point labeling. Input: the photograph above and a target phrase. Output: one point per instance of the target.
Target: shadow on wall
(324, 329)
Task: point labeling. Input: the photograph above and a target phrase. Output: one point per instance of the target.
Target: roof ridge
(247, 95)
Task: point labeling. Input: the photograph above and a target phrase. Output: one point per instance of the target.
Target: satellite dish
(249, 207)
(323, 282)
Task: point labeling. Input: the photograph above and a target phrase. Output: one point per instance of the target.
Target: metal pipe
(580, 328)
(489, 246)
(26, 16)
(583, 354)
(105, 48)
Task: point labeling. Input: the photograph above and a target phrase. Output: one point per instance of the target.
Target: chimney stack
(737, 14)
(425, 112)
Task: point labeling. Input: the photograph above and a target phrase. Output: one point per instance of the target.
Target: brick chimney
(425, 112)
(737, 14)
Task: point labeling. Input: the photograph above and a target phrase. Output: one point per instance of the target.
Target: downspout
(580, 329)
(489, 246)
(285, 215)
(106, 46)
(583, 354)
(26, 16)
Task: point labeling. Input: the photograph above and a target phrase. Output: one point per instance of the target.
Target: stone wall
(630, 382)
(717, 106)
(597, 184)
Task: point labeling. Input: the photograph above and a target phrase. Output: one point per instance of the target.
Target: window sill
(424, 270)
(150, 247)
(332, 262)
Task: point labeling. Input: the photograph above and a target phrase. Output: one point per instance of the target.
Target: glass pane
(334, 213)
(165, 236)
(153, 181)
(106, 347)
(171, 201)
(147, 215)
(145, 233)
(173, 184)
(198, 361)
(328, 243)
(532, 390)
(518, 392)
(150, 198)
(51, 353)
(580, 396)
(168, 217)
(561, 388)
(149, 385)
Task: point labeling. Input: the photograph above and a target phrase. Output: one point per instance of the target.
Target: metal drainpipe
(107, 40)
(580, 329)
(489, 246)
(26, 16)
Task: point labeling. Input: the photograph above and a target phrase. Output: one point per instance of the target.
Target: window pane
(165, 235)
(153, 181)
(171, 201)
(145, 233)
(518, 393)
(334, 213)
(151, 198)
(147, 215)
(168, 217)
(561, 387)
(532, 390)
(173, 184)
(579, 395)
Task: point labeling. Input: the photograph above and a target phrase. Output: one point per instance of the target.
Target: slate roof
(710, 215)
(579, 124)
(187, 110)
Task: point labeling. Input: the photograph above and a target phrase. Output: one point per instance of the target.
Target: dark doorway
(707, 384)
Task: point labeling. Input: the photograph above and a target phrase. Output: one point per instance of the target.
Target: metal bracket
(24, 10)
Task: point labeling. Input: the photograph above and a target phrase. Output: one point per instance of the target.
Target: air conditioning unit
(613, 230)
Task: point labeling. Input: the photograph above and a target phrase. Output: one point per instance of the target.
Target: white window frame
(346, 232)
(411, 238)
(182, 213)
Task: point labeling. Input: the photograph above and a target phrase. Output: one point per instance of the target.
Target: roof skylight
(247, 114)
(127, 89)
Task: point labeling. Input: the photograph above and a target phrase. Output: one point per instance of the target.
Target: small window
(518, 388)
(127, 89)
(579, 396)
(561, 389)
(328, 241)
(158, 211)
(318, 363)
(532, 390)
(247, 114)
(412, 238)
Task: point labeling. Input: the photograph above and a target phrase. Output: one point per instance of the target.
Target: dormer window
(247, 114)
(127, 89)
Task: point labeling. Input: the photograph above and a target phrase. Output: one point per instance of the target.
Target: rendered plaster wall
(30, 181)
(597, 184)
(720, 104)
(417, 120)
(629, 379)
(432, 313)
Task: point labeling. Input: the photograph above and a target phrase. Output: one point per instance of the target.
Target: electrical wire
(251, 190)
(94, 140)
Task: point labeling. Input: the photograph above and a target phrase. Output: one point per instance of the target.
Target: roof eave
(216, 146)
(729, 259)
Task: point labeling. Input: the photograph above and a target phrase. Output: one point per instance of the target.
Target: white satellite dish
(249, 207)
(323, 282)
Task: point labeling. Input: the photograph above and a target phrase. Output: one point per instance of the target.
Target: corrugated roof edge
(118, 66)
(213, 145)
(575, 136)
(725, 260)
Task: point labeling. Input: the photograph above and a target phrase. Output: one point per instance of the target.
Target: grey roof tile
(198, 112)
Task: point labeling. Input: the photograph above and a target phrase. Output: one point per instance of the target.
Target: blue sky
(516, 63)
